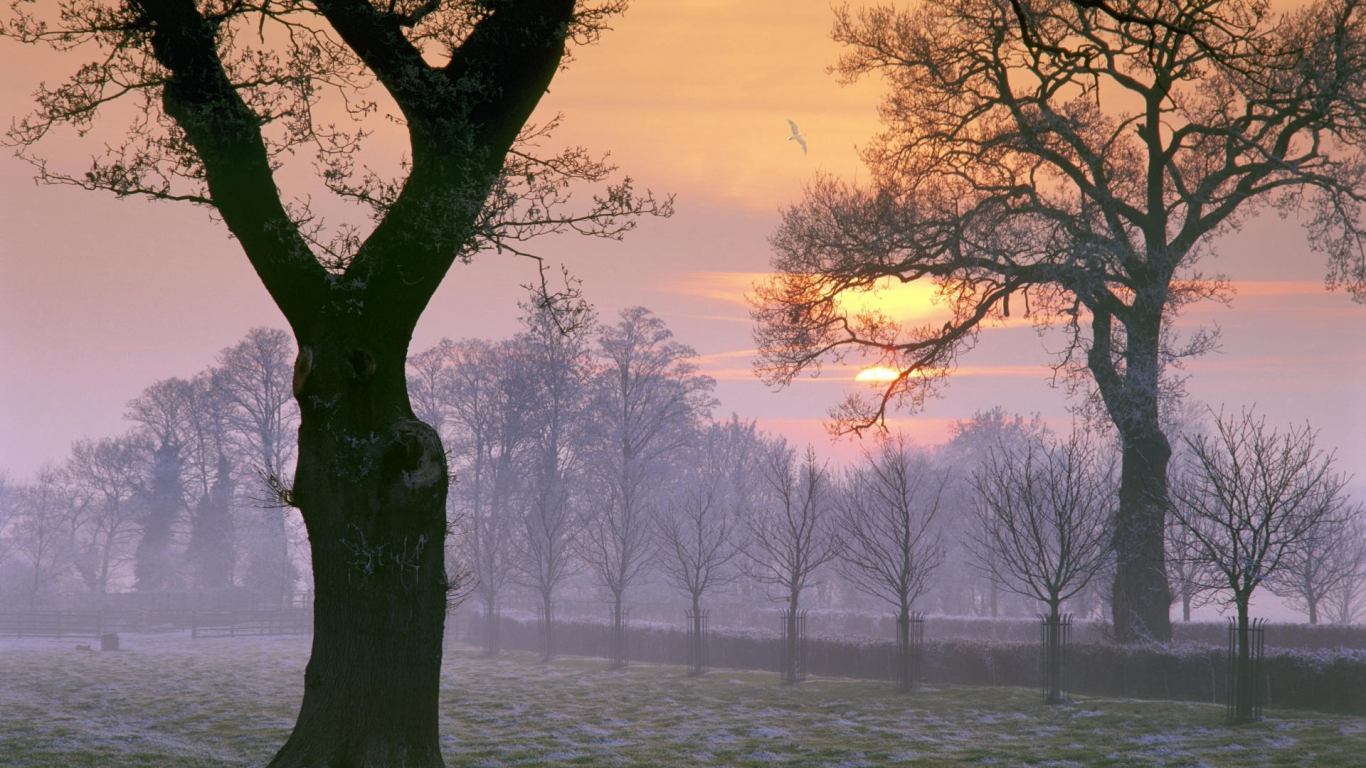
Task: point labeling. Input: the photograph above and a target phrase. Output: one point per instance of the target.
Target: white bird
(797, 136)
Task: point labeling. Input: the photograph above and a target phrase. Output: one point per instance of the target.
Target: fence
(1244, 700)
(697, 621)
(247, 623)
(910, 651)
(1055, 639)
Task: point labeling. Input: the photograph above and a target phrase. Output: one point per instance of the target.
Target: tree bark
(371, 484)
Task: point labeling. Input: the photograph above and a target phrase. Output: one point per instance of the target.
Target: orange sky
(101, 297)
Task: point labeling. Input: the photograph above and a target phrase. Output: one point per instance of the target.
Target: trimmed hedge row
(1320, 681)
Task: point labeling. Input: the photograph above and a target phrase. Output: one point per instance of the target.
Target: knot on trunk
(362, 364)
(417, 453)
(303, 365)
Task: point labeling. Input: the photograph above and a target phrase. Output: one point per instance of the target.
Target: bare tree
(163, 413)
(886, 519)
(1042, 525)
(254, 378)
(110, 474)
(559, 362)
(225, 94)
(647, 400)
(1063, 155)
(970, 444)
(488, 407)
(1250, 497)
(1346, 603)
(40, 528)
(1189, 575)
(791, 533)
(1319, 564)
(701, 533)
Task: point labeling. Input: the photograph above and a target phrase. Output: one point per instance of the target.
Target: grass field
(170, 701)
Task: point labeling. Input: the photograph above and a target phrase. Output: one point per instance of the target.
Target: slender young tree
(701, 532)
(1251, 496)
(886, 517)
(647, 400)
(1042, 526)
(228, 92)
(791, 533)
(1073, 160)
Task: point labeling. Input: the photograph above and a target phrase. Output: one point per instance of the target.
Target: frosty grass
(171, 701)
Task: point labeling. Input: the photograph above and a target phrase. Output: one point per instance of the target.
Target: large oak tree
(225, 93)
(1078, 158)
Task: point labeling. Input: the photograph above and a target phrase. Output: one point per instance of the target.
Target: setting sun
(877, 373)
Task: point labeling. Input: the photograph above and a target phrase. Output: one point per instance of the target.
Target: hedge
(1324, 681)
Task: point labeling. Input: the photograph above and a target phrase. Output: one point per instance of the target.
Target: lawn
(170, 701)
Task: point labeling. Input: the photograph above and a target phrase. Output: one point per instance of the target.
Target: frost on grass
(170, 701)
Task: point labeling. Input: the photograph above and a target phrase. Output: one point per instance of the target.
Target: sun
(877, 373)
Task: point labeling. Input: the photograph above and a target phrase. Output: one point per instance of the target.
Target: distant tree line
(189, 498)
(587, 462)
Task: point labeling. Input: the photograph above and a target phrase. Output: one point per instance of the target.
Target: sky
(101, 297)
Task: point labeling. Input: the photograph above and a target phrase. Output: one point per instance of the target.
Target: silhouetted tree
(110, 473)
(162, 412)
(228, 91)
(791, 532)
(647, 399)
(886, 510)
(702, 530)
(1080, 162)
(254, 379)
(1042, 522)
(554, 344)
(1250, 496)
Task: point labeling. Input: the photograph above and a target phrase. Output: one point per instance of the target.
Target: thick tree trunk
(1142, 598)
(371, 484)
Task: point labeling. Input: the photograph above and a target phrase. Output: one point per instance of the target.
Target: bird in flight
(797, 136)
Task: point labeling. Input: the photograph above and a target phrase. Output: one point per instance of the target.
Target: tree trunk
(1053, 654)
(1313, 610)
(618, 634)
(1142, 598)
(490, 625)
(1186, 606)
(904, 683)
(1242, 691)
(371, 484)
(548, 617)
(791, 671)
(696, 641)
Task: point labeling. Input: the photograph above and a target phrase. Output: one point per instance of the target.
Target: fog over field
(467, 382)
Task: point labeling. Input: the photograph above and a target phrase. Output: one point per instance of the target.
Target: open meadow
(169, 701)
